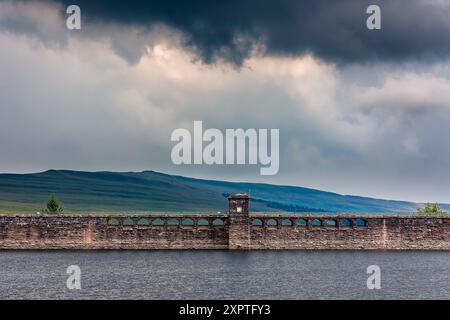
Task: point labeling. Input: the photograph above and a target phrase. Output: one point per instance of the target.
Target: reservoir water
(224, 275)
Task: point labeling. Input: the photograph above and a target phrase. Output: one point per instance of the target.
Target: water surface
(224, 275)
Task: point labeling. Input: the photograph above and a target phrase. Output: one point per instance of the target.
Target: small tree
(53, 205)
(431, 209)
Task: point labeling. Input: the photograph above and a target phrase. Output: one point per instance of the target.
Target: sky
(362, 112)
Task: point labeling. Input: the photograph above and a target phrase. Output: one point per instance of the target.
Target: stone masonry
(239, 230)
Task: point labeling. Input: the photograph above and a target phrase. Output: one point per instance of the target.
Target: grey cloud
(405, 96)
(231, 30)
(38, 19)
(332, 30)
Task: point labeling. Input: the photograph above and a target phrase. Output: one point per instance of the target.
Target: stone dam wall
(238, 230)
(114, 232)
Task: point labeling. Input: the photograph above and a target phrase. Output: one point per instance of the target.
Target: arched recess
(143, 222)
(173, 222)
(113, 222)
(128, 222)
(187, 222)
(257, 222)
(158, 222)
(202, 222)
(345, 223)
(218, 222)
(360, 223)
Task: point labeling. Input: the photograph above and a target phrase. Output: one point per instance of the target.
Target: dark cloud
(333, 30)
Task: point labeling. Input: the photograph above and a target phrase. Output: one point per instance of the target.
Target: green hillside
(153, 191)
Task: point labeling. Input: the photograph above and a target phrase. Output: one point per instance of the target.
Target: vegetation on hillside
(432, 209)
(53, 206)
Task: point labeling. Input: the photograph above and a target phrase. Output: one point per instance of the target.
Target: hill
(153, 191)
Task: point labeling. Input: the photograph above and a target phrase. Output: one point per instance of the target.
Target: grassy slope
(152, 191)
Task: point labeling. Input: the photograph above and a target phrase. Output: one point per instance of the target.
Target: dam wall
(114, 232)
(351, 233)
(237, 230)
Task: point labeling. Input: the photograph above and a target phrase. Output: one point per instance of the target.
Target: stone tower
(239, 231)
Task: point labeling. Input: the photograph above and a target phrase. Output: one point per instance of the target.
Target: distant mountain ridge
(153, 191)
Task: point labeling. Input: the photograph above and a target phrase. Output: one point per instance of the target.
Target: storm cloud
(332, 30)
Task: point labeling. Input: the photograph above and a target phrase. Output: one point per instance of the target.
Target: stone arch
(112, 222)
(287, 222)
(202, 222)
(143, 222)
(158, 222)
(330, 223)
(346, 222)
(360, 222)
(316, 223)
(271, 223)
(173, 222)
(257, 222)
(128, 222)
(302, 222)
(218, 222)
(187, 222)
